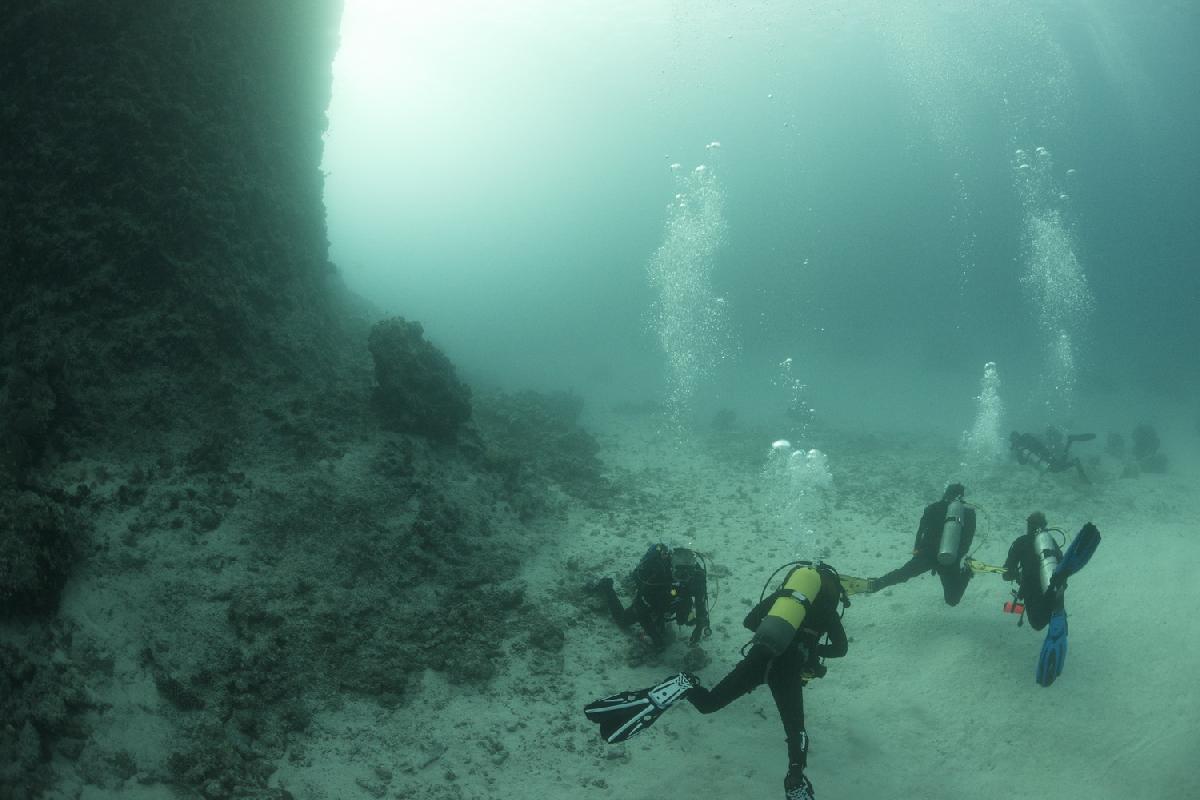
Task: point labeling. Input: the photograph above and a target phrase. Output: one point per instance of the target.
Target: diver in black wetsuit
(785, 654)
(954, 575)
(1024, 565)
(1041, 569)
(671, 585)
(786, 658)
(1029, 449)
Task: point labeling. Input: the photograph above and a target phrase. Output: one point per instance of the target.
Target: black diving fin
(627, 714)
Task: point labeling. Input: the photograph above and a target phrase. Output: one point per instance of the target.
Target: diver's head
(655, 566)
(954, 491)
(1035, 522)
(831, 578)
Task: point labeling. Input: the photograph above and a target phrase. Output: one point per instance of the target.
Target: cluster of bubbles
(689, 318)
(958, 61)
(984, 442)
(1054, 277)
(798, 408)
(962, 219)
(799, 492)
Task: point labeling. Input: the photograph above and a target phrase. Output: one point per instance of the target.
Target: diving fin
(627, 714)
(1078, 554)
(1054, 649)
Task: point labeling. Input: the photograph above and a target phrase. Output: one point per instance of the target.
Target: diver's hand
(1054, 650)
(700, 630)
(812, 671)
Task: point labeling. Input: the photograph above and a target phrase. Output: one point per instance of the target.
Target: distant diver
(671, 585)
(944, 536)
(1041, 569)
(1029, 449)
(785, 653)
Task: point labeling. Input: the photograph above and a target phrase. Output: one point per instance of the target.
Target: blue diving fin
(1054, 649)
(1078, 554)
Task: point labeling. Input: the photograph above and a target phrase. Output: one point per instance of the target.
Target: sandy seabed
(930, 702)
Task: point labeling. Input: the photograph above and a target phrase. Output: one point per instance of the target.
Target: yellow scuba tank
(951, 533)
(779, 626)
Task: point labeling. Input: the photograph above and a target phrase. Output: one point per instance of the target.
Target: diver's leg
(954, 582)
(788, 691)
(652, 623)
(915, 566)
(749, 673)
(1037, 611)
(624, 617)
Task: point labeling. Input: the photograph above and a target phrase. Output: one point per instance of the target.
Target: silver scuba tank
(951, 533)
(1048, 556)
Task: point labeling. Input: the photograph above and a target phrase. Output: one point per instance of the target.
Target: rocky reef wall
(228, 505)
(162, 234)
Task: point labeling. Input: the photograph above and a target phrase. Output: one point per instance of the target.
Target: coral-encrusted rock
(28, 410)
(36, 553)
(417, 390)
(532, 435)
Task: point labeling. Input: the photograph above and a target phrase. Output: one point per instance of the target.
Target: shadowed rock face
(183, 397)
(36, 551)
(162, 232)
(416, 389)
(164, 275)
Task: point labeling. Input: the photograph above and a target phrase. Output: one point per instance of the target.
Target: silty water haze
(906, 190)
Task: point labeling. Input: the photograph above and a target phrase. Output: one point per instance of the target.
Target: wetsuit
(1024, 566)
(1028, 449)
(671, 585)
(787, 672)
(925, 552)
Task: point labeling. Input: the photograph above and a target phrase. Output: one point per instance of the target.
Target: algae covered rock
(417, 390)
(37, 550)
(1146, 452)
(533, 437)
(30, 408)
(41, 696)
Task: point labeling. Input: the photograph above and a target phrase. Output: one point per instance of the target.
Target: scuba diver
(671, 584)
(944, 536)
(1040, 568)
(785, 653)
(1029, 449)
